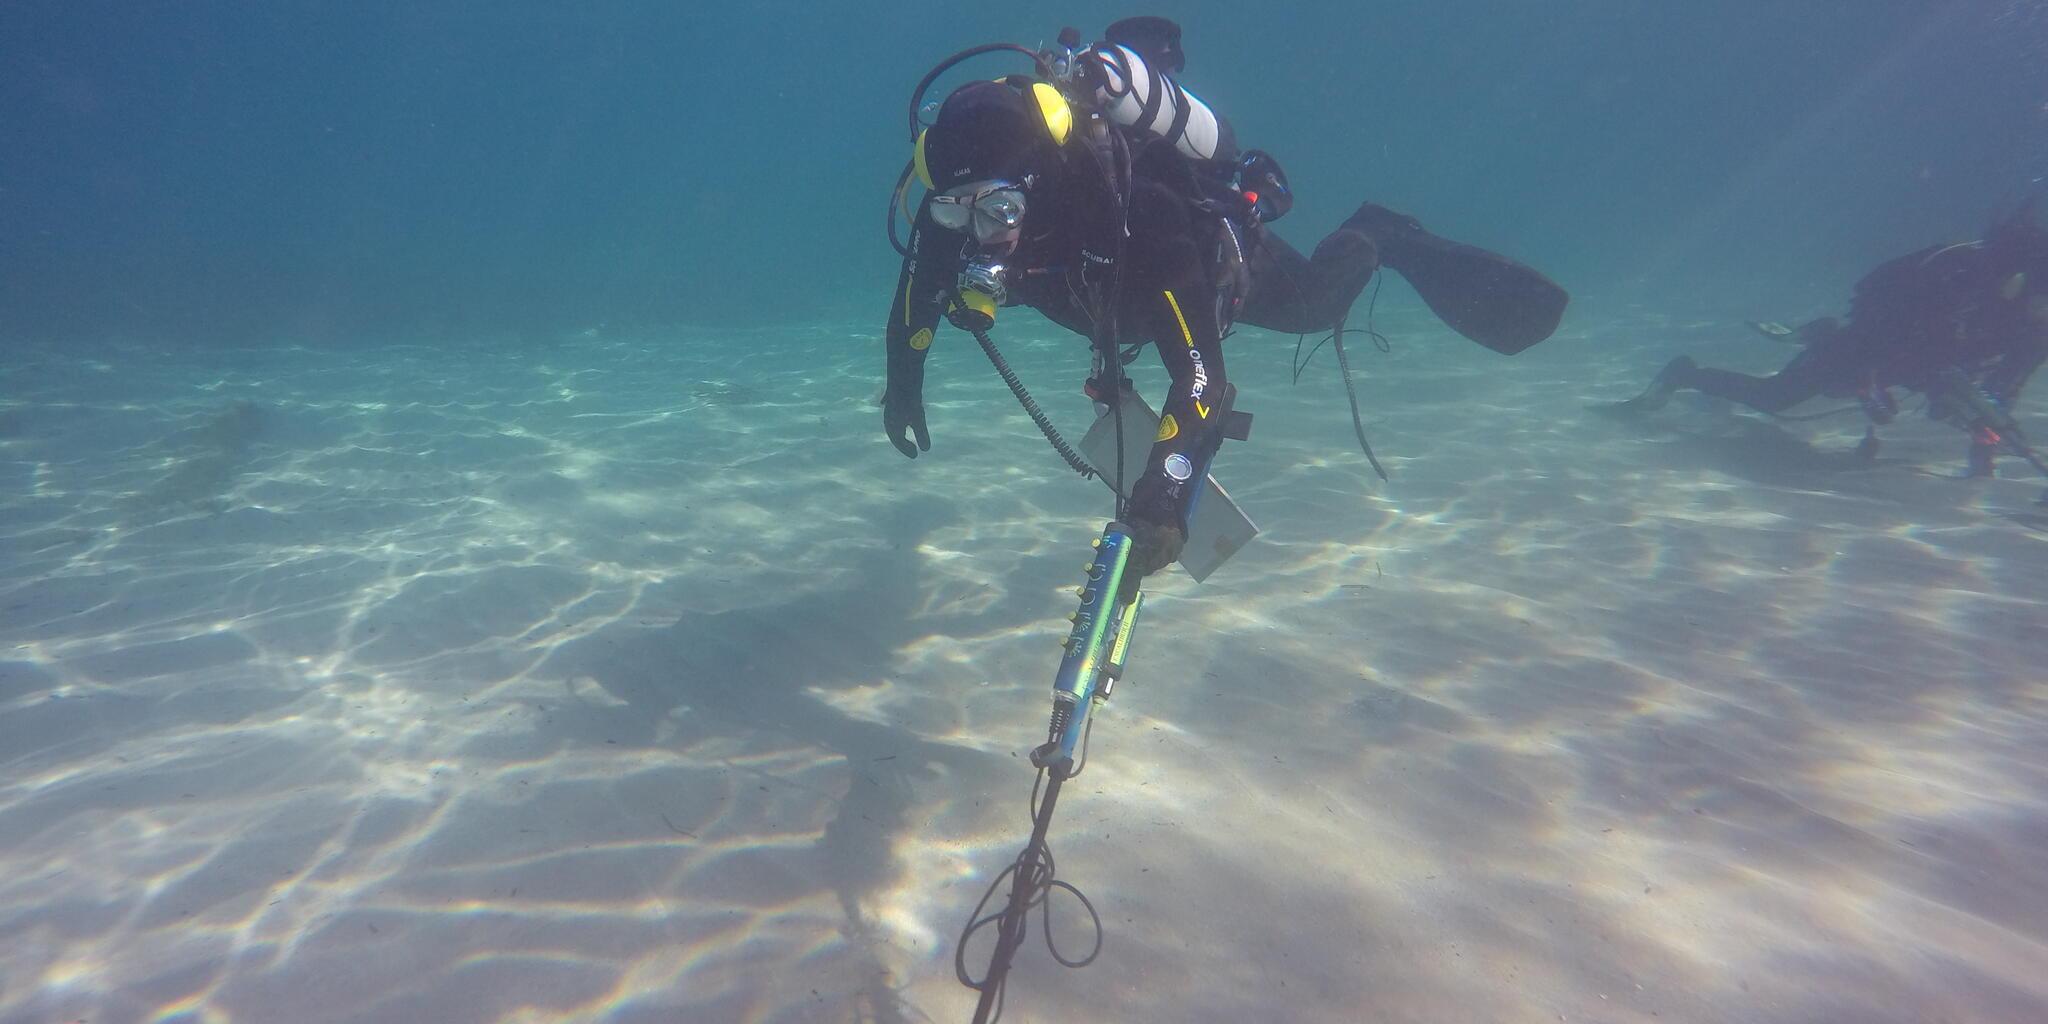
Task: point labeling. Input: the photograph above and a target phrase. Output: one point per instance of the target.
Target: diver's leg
(1981, 460)
(1305, 295)
(1669, 379)
(1776, 393)
(1482, 295)
(1485, 296)
(1780, 391)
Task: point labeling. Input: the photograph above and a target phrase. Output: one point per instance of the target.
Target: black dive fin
(1482, 295)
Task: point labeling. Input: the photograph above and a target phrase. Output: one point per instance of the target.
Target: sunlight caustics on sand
(637, 679)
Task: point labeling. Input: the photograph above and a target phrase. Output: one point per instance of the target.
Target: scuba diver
(1101, 193)
(1964, 325)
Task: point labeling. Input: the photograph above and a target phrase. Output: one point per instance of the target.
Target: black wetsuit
(1944, 307)
(1188, 273)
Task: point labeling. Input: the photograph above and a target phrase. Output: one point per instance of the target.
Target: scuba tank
(1137, 96)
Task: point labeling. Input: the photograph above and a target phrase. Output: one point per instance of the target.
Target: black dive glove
(1156, 533)
(903, 410)
(1154, 546)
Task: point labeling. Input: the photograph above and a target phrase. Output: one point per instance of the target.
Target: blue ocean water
(254, 170)
(450, 570)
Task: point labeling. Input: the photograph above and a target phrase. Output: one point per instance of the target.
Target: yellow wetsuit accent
(1188, 338)
(1185, 334)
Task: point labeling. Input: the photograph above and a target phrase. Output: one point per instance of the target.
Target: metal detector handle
(1099, 639)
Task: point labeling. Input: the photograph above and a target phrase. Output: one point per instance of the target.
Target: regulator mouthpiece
(985, 276)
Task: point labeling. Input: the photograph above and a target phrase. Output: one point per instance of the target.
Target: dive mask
(993, 210)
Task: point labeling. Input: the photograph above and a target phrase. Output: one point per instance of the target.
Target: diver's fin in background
(1482, 295)
(1805, 334)
(1774, 330)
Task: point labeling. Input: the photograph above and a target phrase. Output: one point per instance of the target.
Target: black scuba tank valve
(1063, 59)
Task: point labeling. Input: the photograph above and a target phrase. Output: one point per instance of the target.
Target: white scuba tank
(1129, 86)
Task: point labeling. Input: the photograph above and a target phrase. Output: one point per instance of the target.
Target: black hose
(917, 95)
(1052, 434)
(896, 207)
(1351, 393)
(1032, 879)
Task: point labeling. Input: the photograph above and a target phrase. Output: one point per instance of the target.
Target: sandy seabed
(639, 679)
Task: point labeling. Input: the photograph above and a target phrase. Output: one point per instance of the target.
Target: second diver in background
(1964, 325)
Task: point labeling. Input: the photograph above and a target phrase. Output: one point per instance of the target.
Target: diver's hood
(985, 130)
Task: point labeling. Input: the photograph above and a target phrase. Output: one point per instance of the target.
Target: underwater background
(197, 171)
(450, 567)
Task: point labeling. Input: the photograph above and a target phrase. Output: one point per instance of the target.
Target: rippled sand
(640, 679)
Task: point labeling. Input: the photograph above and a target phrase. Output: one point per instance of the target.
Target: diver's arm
(913, 315)
(2009, 377)
(1191, 419)
(1170, 298)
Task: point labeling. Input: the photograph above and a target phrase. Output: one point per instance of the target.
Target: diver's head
(991, 144)
(2018, 251)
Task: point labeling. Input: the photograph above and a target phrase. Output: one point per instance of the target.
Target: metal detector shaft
(1014, 923)
(1095, 655)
